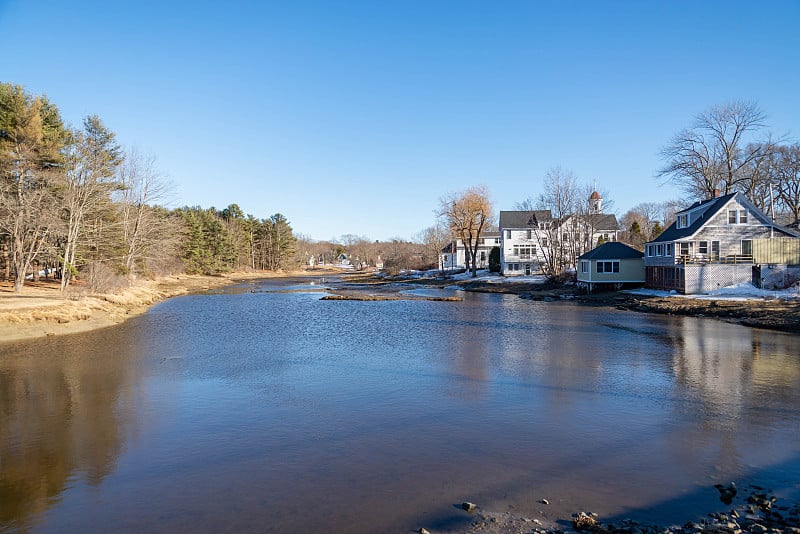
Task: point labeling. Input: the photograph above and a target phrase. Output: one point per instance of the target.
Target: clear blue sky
(355, 117)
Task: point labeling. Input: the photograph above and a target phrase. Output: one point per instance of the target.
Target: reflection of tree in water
(61, 417)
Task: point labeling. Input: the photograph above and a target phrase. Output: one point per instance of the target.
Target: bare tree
(561, 197)
(142, 226)
(786, 172)
(468, 214)
(434, 239)
(714, 154)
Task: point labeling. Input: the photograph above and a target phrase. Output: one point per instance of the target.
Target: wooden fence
(779, 250)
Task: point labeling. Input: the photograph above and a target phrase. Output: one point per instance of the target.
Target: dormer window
(683, 221)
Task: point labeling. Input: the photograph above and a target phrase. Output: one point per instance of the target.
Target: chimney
(717, 193)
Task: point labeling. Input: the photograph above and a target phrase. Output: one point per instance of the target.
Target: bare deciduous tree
(434, 239)
(468, 214)
(142, 226)
(786, 175)
(714, 153)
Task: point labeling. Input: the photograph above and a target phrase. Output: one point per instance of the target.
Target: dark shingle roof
(524, 219)
(713, 206)
(602, 221)
(710, 209)
(613, 250)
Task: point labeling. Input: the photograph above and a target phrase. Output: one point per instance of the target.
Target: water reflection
(64, 420)
(234, 410)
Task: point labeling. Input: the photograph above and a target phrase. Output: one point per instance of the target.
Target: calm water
(254, 409)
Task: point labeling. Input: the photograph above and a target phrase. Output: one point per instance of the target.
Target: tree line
(75, 204)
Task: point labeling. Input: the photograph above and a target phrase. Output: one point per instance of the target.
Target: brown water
(259, 410)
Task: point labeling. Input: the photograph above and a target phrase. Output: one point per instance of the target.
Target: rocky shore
(756, 511)
(774, 314)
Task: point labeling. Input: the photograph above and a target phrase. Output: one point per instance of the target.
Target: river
(262, 408)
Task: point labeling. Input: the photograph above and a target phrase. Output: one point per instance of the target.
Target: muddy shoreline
(773, 314)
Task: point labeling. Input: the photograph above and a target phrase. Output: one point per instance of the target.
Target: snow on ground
(738, 292)
(483, 276)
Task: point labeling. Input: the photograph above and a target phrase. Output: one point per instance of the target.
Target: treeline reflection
(64, 418)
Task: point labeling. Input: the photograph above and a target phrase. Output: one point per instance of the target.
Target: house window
(528, 234)
(483, 255)
(732, 216)
(747, 247)
(659, 250)
(683, 221)
(480, 241)
(669, 249)
(508, 234)
(702, 247)
(684, 249)
(584, 266)
(522, 251)
(715, 250)
(608, 266)
(742, 216)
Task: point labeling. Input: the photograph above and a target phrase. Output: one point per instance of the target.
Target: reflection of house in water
(727, 366)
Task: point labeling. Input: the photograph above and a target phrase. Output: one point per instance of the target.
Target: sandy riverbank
(41, 310)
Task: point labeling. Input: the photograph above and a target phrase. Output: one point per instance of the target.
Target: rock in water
(726, 493)
(423, 531)
(468, 506)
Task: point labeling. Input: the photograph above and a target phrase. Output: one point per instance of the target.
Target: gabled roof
(708, 209)
(613, 250)
(524, 219)
(602, 221)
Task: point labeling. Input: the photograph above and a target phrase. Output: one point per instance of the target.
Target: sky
(357, 117)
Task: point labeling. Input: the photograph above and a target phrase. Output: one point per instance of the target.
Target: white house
(455, 253)
(720, 242)
(525, 236)
(530, 238)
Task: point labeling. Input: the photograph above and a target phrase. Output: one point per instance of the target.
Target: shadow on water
(776, 479)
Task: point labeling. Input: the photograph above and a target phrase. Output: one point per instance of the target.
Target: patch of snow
(739, 292)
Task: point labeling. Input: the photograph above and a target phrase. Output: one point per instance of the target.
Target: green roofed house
(614, 264)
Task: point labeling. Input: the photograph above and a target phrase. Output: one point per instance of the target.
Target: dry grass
(42, 310)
